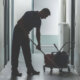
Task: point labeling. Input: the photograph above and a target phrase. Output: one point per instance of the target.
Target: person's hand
(38, 47)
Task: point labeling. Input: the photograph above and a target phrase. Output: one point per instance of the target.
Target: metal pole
(6, 31)
(72, 30)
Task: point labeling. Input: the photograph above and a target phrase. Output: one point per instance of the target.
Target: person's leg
(27, 55)
(15, 53)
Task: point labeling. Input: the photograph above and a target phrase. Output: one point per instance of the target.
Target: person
(30, 20)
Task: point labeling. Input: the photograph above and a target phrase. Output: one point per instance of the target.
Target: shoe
(33, 72)
(15, 74)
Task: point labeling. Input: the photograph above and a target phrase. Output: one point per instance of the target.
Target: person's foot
(15, 74)
(33, 72)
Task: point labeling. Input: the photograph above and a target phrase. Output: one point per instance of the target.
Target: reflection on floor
(38, 61)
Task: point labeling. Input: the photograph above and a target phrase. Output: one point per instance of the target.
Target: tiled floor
(38, 62)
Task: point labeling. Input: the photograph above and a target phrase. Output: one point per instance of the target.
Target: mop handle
(36, 45)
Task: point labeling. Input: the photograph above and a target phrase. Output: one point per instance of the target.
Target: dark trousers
(20, 39)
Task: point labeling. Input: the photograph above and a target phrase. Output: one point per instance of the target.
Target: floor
(38, 62)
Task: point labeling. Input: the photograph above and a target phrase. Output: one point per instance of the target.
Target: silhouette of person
(30, 20)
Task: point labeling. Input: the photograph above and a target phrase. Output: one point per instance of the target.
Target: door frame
(6, 31)
(6, 28)
(72, 30)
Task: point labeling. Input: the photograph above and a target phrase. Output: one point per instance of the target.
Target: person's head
(44, 13)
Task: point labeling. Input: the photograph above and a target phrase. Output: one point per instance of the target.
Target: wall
(62, 10)
(10, 26)
(50, 25)
(68, 12)
(64, 23)
(1, 35)
(68, 21)
(20, 7)
(77, 35)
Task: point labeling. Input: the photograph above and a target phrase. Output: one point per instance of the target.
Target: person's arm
(38, 38)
